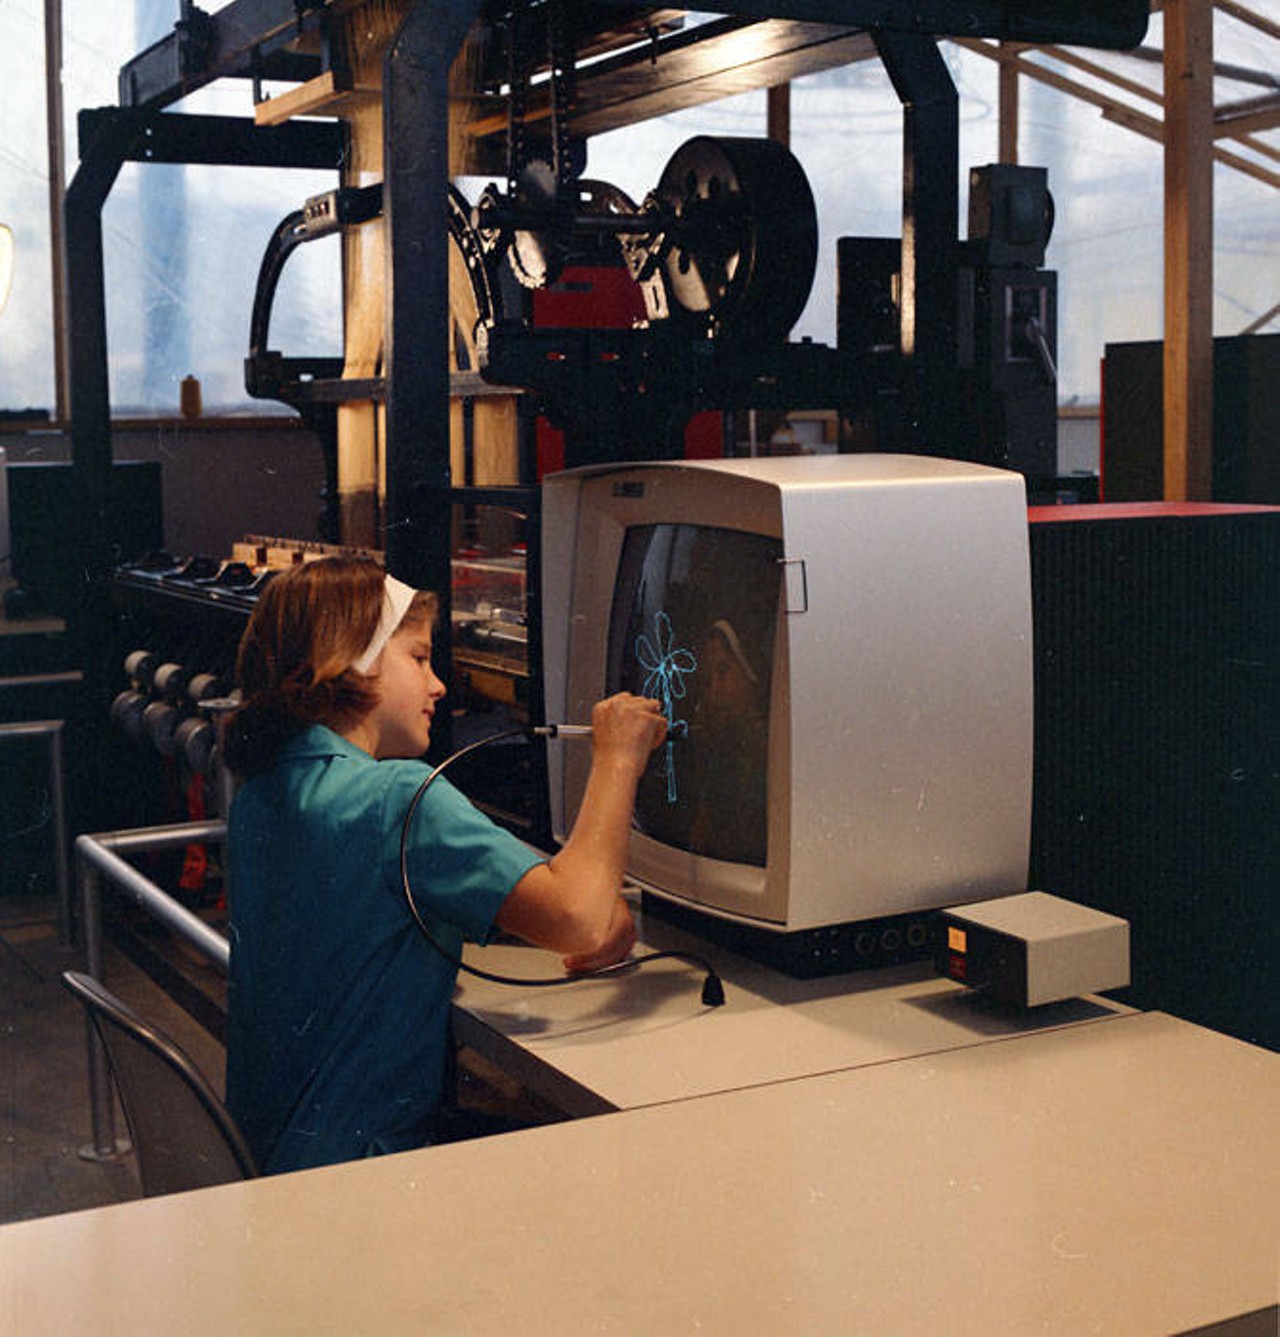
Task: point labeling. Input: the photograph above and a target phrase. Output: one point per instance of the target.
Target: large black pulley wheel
(474, 297)
(742, 236)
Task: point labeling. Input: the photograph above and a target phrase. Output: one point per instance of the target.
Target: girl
(338, 1005)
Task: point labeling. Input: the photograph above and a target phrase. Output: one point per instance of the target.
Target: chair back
(182, 1134)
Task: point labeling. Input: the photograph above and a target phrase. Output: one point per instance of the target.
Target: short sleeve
(461, 864)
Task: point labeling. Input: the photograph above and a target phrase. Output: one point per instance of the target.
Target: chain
(518, 67)
(563, 95)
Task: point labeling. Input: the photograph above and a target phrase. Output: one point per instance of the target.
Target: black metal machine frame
(260, 39)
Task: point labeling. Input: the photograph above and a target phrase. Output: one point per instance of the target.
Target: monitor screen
(692, 624)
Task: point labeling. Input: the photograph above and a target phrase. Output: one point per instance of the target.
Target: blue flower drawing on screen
(666, 665)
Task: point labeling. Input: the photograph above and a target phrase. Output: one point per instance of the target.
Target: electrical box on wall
(42, 516)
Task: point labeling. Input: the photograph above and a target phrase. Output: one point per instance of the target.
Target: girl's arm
(572, 903)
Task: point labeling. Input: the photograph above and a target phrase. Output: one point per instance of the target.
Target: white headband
(396, 598)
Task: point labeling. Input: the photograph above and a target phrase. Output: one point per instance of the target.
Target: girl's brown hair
(294, 666)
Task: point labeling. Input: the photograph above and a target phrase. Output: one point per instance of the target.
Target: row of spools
(172, 708)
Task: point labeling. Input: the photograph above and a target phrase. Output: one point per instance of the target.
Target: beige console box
(1033, 949)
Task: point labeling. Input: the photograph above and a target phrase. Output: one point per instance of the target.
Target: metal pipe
(30, 728)
(97, 856)
(105, 1146)
(930, 224)
(147, 896)
(66, 677)
(415, 101)
(159, 837)
(61, 836)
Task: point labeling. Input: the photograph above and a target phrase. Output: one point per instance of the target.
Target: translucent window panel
(1108, 244)
(182, 244)
(182, 248)
(26, 331)
(1246, 210)
(846, 128)
(1108, 238)
(97, 39)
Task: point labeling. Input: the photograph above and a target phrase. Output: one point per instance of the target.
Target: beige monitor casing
(900, 745)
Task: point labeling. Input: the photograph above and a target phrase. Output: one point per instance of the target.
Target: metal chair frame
(182, 1132)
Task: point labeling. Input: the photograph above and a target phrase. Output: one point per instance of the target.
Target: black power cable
(712, 987)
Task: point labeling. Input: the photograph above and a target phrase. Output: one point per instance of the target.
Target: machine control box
(1033, 948)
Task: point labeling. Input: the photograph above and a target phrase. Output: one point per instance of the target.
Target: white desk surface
(1119, 1178)
(644, 1038)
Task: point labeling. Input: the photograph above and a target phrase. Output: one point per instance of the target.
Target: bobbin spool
(126, 714)
(140, 667)
(160, 722)
(195, 738)
(170, 681)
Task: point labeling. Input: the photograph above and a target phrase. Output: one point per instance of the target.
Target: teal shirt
(338, 1005)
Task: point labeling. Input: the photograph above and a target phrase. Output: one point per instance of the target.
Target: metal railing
(102, 856)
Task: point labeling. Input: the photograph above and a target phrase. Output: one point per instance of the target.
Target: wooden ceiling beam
(1249, 16)
(1236, 119)
(717, 60)
(1123, 114)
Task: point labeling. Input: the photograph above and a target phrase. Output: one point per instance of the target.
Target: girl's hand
(627, 728)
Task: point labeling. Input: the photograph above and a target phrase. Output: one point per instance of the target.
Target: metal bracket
(795, 585)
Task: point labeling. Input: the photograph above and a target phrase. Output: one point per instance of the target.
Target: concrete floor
(45, 1118)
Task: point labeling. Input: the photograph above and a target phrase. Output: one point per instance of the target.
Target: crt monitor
(842, 646)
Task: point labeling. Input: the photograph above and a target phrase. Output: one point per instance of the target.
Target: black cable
(712, 988)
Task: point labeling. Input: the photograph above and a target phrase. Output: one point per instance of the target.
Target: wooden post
(360, 422)
(1188, 250)
(1007, 95)
(778, 114)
